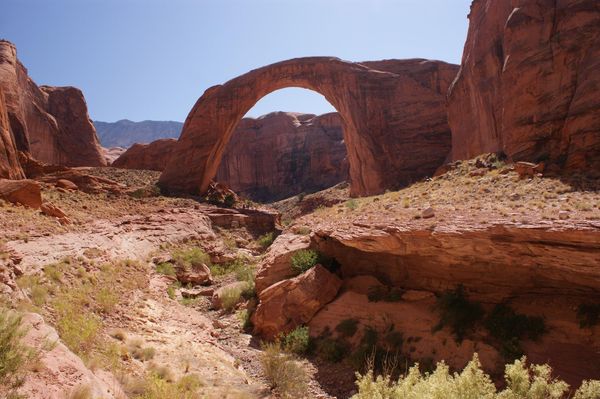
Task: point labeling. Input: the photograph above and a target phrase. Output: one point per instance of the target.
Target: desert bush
(106, 299)
(347, 328)
(190, 258)
(522, 382)
(266, 240)
(588, 315)
(303, 260)
(332, 350)
(156, 387)
(457, 312)
(165, 268)
(13, 354)
(230, 297)
(283, 372)
(351, 204)
(296, 341)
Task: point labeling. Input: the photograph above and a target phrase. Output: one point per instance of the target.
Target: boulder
(197, 275)
(528, 169)
(24, 192)
(275, 265)
(52, 210)
(291, 303)
(66, 184)
(528, 83)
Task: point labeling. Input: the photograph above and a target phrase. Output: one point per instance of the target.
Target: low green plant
(283, 372)
(14, 355)
(165, 268)
(266, 240)
(588, 315)
(190, 258)
(347, 328)
(154, 386)
(297, 341)
(351, 204)
(230, 297)
(458, 313)
(522, 382)
(303, 260)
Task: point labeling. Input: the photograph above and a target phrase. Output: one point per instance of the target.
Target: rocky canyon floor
(113, 309)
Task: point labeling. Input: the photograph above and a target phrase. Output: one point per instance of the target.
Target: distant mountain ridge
(125, 133)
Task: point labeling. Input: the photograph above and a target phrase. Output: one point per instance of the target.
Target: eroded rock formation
(393, 115)
(51, 123)
(9, 160)
(153, 156)
(528, 84)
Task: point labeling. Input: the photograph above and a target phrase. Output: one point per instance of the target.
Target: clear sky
(152, 59)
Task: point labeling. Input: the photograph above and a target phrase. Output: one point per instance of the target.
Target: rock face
(125, 133)
(282, 154)
(393, 116)
(290, 303)
(51, 123)
(528, 84)
(9, 160)
(24, 192)
(153, 156)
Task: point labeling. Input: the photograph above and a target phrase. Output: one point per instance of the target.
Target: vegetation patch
(303, 260)
(297, 341)
(266, 240)
(284, 372)
(14, 356)
(458, 313)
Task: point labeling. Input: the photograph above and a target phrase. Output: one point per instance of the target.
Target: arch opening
(276, 155)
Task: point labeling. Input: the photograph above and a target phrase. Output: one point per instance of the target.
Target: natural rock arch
(393, 114)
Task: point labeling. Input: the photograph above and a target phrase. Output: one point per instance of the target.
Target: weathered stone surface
(282, 154)
(290, 303)
(528, 84)
(393, 115)
(275, 266)
(51, 123)
(258, 221)
(9, 159)
(24, 192)
(197, 275)
(153, 156)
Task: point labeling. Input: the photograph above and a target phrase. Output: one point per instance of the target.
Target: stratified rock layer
(528, 83)
(282, 154)
(393, 116)
(9, 159)
(51, 123)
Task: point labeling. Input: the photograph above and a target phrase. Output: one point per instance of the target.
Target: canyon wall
(282, 154)
(9, 160)
(151, 156)
(50, 123)
(528, 84)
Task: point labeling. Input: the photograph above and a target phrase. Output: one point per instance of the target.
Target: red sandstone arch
(393, 112)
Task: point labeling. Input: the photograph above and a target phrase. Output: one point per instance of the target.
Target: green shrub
(296, 341)
(283, 372)
(13, 354)
(165, 268)
(458, 313)
(351, 204)
(588, 315)
(303, 260)
(332, 350)
(509, 327)
(266, 240)
(229, 200)
(154, 386)
(230, 297)
(522, 382)
(190, 258)
(347, 328)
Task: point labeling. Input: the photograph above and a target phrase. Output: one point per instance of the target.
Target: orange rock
(50, 209)
(153, 156)
(197, 275)
(527, 83)
(393, 112)
(51, 123)
(276, 265)
(528, 169)
(24, 192)
(66, 184)
(9, 161)
(290, 303)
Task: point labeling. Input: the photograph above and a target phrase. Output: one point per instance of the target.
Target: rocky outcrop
(393, 115)
(153, 156)
(528, 83)
(282, 154)
(125, 133)
(50, 123)
(23, 192)
(290, 303)
(9, 160)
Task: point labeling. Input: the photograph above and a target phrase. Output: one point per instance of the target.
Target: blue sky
(152, 59)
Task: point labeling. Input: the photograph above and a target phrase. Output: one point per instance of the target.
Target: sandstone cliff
(151, 156)
(50, 123)
(9, 161)
(528, 83)
(282, 154)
